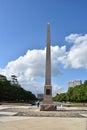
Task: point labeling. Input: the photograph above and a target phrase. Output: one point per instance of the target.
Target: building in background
(40, 96)
(74, 83)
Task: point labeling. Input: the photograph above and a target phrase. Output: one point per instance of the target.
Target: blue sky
(23, 40)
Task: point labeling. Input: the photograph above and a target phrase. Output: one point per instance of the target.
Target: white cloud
(31, 66)
(72, 38)
(76, 38)
(76, 57)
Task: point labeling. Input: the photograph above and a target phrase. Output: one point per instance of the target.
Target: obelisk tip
(48, 23)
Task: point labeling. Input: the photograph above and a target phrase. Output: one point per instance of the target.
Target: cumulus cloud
(31, 66)
(76, 38)
(76, 57)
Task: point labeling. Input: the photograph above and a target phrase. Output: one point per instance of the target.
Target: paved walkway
(10, 122)
(43, 123)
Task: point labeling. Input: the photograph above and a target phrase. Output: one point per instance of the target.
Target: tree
(13, 92)
(14, 79)
(85, 83)
(76, 94)
(60, 97)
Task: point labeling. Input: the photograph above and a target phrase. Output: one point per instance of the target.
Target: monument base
(48, 107)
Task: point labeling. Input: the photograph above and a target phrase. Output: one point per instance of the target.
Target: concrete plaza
(42, 123)
(8, 120)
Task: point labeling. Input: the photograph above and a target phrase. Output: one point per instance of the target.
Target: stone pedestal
(48, 107)
(47, 95)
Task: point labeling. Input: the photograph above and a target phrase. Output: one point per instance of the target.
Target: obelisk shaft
(47, 101)
(48, 58)
(48, 87)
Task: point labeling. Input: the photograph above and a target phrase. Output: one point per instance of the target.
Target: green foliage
(60, 97)
(85, 83)
(14, 92)
(76, 94)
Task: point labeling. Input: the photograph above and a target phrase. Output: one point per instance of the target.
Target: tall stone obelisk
(47, 101)
(48, 87)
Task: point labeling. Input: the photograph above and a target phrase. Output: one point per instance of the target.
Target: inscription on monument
(48, 91)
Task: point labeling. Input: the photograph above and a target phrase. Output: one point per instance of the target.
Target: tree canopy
(75, 94)
(13, 92)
